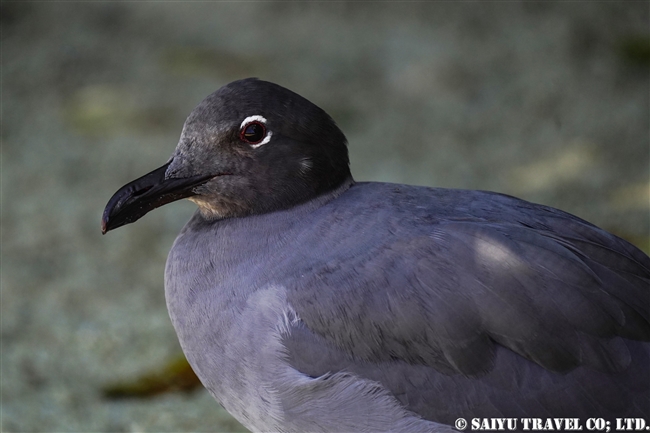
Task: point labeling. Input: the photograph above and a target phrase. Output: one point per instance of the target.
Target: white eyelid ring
(261, 119)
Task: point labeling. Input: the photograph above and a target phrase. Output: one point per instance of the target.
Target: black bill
(135, 199)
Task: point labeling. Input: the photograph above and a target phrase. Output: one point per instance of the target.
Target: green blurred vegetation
(177, 375)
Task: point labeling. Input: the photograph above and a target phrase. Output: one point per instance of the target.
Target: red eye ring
(253, 132)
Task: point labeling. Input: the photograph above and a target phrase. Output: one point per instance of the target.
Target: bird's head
(250, 147)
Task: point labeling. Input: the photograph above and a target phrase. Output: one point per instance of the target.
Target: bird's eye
(253, 132)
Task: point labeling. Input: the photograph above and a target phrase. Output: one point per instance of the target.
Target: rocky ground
(546, 101)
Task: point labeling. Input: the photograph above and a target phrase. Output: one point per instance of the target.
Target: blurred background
(546, 101)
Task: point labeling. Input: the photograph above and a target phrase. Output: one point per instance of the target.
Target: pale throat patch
(261, 119)
(208, 211)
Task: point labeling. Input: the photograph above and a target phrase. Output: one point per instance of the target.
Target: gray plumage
(308, 302)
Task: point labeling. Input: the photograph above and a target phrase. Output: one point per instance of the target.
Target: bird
(308, 302)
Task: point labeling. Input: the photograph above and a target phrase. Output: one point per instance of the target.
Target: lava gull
(308, 302)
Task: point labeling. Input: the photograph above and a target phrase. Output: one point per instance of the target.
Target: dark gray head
(250, 147)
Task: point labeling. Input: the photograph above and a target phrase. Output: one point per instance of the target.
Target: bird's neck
(243, 238)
